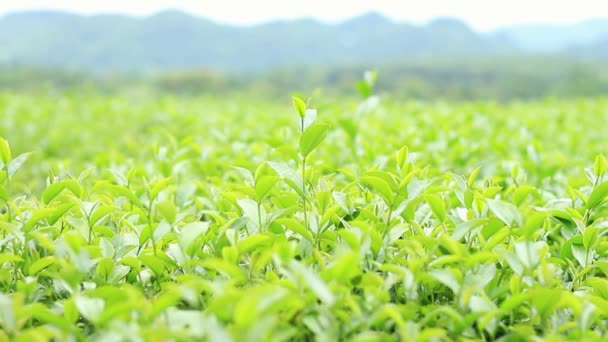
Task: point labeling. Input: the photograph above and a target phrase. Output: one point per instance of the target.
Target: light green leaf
(506, 212)
(314, 282)
(447, 278)
(250, 210)
(263, 186)
(41, 264)
(54, 189)
(5, 151)
(299, 105)
(437, 206)
(599, 286)
(8, 321)
(16, 163)
(295, 226)
(600, 165)
(312, 137)
(597, 195)
(38, 216)
(253, 242)
(381, 186)
(590, 237)
(5, 257)
(4, 195)
(90, 308)
(191, 232)
(310, 118)
(156, 264)
(291, 177)
(100, 213)
(401, 157)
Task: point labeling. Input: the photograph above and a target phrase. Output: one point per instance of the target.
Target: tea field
(125, 218)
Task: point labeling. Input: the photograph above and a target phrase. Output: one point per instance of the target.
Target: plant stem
(150, 223)
(388, 220)
(260, 216)
(304, 192)
(8, 190)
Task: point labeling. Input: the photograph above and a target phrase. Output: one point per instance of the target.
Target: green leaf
(5, 151)
(312, 137)
(263, 186)
(250, 210)
(366, 86)
(105, 267)
(350, 127)
(291, 177)
(100, 213)
(381, 186)
(401, 157)
(164, 301)
(344, 268)
(120, 190)
(597, 195)
(156, 264)
(4, 195)
(364, 89)
(497, 238)
(159, 186)
(310, 118)
(437, 206)
(190, 232)
(299, 105)
(529, 253)
(59, 212)
(253, 242)
(545, 300)
(600, 165)
(38, 216)
(314, 282)
(295, 226)
(43, 314)
(447, 278)
(506, 212)
(5, 257)
(16, 163)
(224, 267)
(599, 285)
(90, 308)
(167, 209)
(8, 320)
(41, 264)
(54, 189)
(590, 237)
(473, 176)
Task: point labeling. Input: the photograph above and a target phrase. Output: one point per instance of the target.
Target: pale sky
(481, 15)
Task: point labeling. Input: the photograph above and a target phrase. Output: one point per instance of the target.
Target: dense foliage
(236, 219)
(445, 78)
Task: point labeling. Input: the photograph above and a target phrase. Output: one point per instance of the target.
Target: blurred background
(461, 50)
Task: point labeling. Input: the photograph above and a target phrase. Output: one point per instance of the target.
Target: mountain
(554, 38)
(598, 49)
(173, 39)
(177, 40)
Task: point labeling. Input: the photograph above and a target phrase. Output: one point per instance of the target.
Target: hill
(174, 39)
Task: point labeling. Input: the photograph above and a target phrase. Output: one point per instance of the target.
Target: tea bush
(240, 220)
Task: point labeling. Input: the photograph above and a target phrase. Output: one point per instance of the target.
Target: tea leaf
(299, 105)
(312, 137)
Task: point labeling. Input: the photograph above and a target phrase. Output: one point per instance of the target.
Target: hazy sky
(482, 15)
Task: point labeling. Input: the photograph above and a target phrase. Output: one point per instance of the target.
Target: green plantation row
(239, 220)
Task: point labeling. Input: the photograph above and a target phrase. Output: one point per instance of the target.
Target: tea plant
(365, 220)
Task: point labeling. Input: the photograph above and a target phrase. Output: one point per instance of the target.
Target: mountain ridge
(176, 39)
